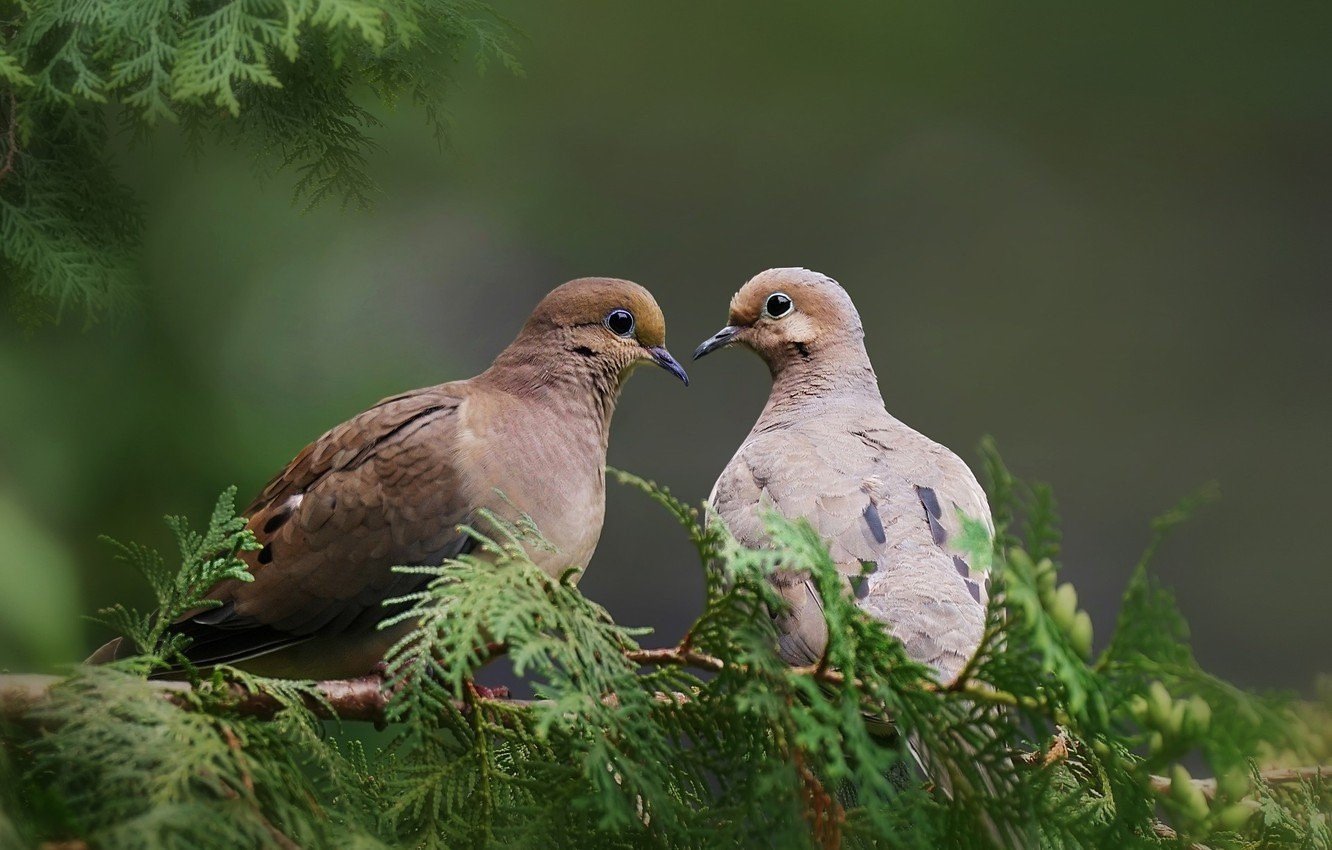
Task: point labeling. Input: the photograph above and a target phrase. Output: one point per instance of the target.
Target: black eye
(620, 322)
(778, 305)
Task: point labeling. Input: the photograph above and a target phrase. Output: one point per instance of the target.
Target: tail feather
(112, 650)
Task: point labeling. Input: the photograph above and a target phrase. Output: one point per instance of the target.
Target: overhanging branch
(11, 137)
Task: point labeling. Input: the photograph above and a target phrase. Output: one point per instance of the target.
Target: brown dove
(886, 498)
(392, 485)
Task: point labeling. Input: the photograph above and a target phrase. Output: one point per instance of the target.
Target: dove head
(790, 317)
(606, 325)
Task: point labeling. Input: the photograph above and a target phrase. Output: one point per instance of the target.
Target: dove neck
(571, 384)
(837, 371)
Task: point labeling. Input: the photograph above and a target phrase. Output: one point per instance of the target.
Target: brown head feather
(588, 300)
(588, 332)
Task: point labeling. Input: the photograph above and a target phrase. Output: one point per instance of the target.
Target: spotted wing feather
(882, 496)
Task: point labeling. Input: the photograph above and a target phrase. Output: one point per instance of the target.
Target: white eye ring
(620, 322)
(779, 304)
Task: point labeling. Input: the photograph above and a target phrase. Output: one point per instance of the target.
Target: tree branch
(685, 656)
(365, 699)
(341, 699)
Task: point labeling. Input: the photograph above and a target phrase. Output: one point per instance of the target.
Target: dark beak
(663, 358)
(720, 339)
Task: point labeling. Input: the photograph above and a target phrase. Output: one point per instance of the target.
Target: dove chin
(663, 358)
(720, 339)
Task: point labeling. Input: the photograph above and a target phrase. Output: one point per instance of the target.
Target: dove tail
(110, 651)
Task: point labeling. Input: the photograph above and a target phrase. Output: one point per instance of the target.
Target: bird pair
(528, 436)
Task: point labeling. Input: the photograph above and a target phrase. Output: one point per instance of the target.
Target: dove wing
(885, 499)
(379, 490)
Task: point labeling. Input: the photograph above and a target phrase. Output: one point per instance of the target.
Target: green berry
(1234, 816)
(1081, 634)
(1064, 607)
(1158, 706)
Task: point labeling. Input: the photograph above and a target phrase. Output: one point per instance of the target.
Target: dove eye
(778, 305)
(620, 322)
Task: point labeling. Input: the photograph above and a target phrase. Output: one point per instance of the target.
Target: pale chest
(559, 480)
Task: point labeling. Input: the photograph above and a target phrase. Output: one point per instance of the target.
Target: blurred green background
(1099, 233)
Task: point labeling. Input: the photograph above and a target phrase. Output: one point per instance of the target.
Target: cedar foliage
(1040, 740)
(277, 78)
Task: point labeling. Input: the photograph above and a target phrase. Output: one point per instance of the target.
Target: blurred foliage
(1097, 231)
(1038, 741)
(272, 77)
(39, 620)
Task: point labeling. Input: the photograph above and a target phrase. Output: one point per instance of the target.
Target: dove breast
(887, 500)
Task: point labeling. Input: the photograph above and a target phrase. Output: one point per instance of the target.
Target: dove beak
(663, 358)
(720, 339)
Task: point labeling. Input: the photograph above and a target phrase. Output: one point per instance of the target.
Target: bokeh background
(1099, 233)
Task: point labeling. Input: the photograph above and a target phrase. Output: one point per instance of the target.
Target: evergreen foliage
(277, 78)
(714, 742)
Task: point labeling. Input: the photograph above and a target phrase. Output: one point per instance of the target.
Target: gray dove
(886, 498)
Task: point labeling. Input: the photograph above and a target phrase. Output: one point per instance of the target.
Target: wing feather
(879, 493)
(379, 490)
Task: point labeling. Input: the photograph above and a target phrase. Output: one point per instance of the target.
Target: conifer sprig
(281, 79)
(711, 742)
(206, 558)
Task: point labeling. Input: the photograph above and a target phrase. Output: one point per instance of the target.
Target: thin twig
(676, 656)
(1164, 831)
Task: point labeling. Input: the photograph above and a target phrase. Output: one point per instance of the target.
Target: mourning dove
(392, 485)
(886, 498)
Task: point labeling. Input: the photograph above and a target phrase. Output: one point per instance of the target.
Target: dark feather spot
(803, 349)
(276, 521)
(862, 588)
(265, 554)
(872, 442)
(583, 350)
(974, 589)
(875, 523)
(937, 532)
(961, 566)
(930, 501)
